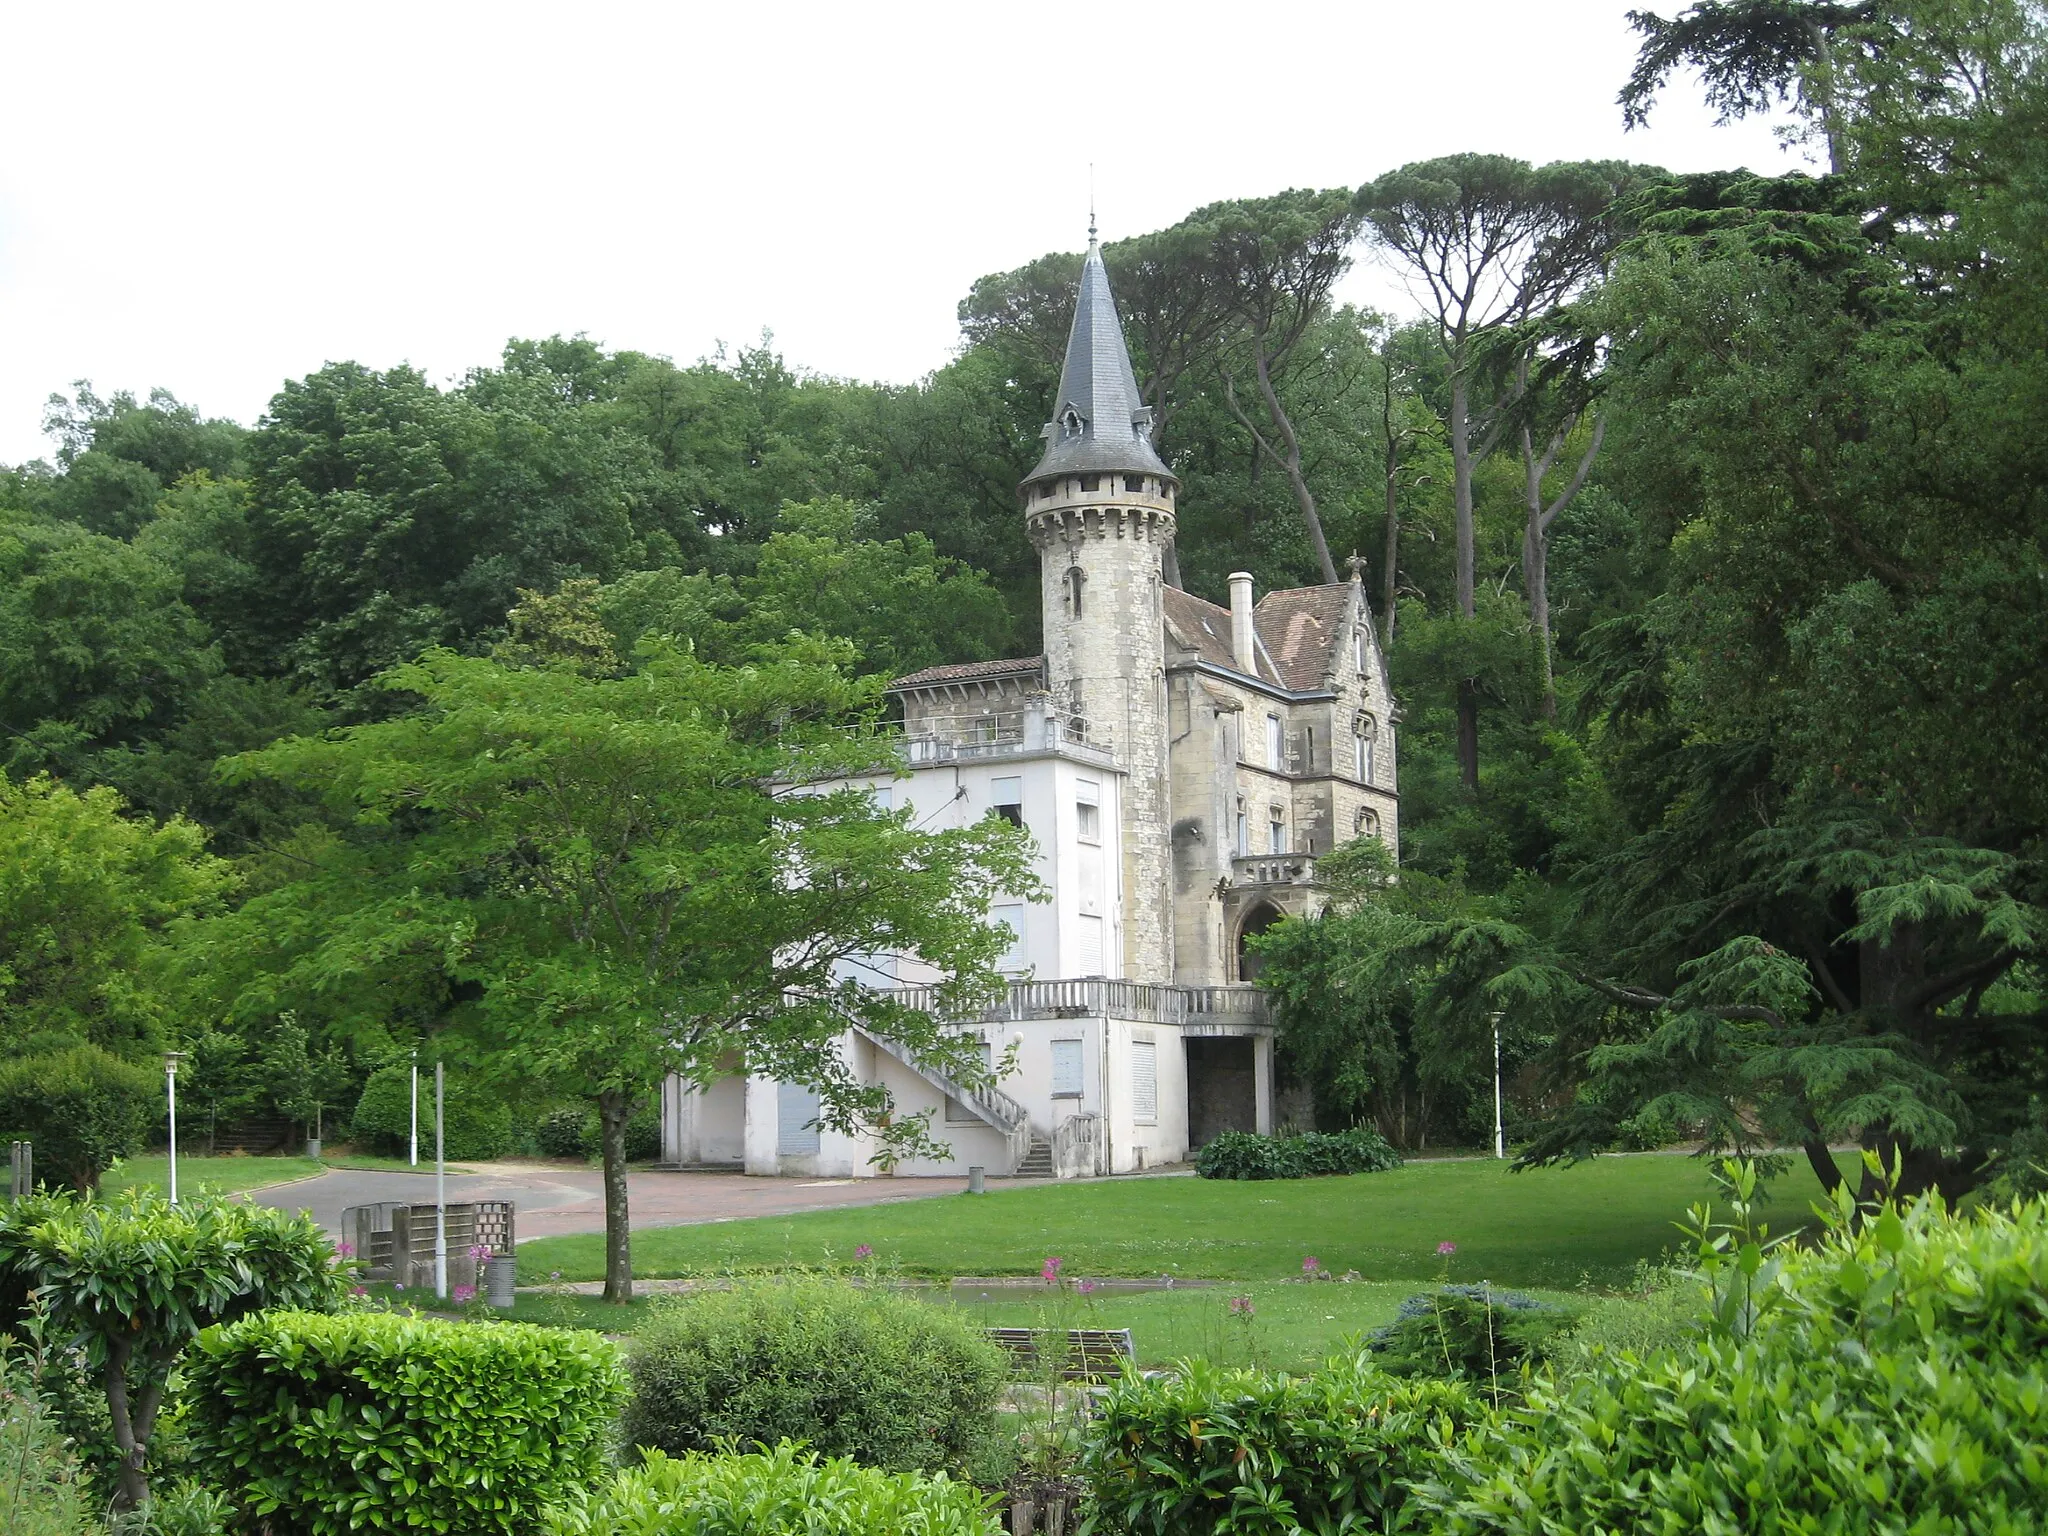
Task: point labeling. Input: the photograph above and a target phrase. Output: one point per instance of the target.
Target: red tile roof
(971, 672)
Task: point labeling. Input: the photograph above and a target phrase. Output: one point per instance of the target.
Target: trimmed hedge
(1895, 1379)
(82, 1107)
(475, 1124)
(1243, 1155)
(851, 1371)
(1251, 1454)
(782, 1492)
(374, 1422)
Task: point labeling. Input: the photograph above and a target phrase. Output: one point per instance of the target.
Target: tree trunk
(1290, 462)
(1822, 1161)
(131, 1424)
(1459, 429)
(1468, 734)
(1536, 537)
(614, 1107)
(1393, 549)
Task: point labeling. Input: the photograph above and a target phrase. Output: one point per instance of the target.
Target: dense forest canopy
(1704, 517)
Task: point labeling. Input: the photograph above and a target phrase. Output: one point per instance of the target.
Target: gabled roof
(972, 672)
(1099, 420)
(1200, 626)
(1302, 627)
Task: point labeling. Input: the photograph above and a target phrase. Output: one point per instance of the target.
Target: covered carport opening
(1223, 1087)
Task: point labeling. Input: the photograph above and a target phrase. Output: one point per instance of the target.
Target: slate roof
(1200, 626)
(1301, 627)
(972, 672)
(1099, 420)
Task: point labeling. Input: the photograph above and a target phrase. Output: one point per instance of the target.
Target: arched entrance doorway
(1256, 922)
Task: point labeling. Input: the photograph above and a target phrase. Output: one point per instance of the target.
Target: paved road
(554, 1201)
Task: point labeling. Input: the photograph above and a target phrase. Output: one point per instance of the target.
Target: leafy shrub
(43, 1490)
(2021, 1171)
(475, 1123)
(888, 1381)
(134, 1280)
(1243, 1155)
(1663, 1310)
(81, 1107)
(1248, 1454)
(781, 1492)
(567, 1133)
(643, 1136)
(1889, 1379)
(374, 1422)
(1472, 1331)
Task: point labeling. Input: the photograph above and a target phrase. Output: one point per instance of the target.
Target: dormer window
(1070, 423)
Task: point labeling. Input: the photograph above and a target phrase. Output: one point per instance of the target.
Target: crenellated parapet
(1071, 523)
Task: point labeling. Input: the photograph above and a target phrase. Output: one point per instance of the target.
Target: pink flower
(1311, 1265)
(480, 1252)
(1050, 1272)
(864, 1252)
(1086, 1287)
(344, 1251)
(1241, 1306)
(361, 1290)
(1446, 1249)
(465, 1293)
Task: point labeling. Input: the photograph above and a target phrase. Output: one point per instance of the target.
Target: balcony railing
(1273, 869)
(1142, 1002)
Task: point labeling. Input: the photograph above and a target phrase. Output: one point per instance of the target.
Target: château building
(1180, 765)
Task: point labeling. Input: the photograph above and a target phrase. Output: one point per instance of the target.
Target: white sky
(216, 197)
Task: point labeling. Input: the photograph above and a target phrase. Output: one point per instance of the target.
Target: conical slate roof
(1099, 421)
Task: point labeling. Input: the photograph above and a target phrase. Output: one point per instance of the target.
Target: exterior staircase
(1036, 1163)
(991, 1106)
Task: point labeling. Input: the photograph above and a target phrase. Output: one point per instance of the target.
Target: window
(1006, 799)
(1368, 822)
(1091, 482)
(1066, 1069)
(1275, 750)
(1089, 961)
(883, 797)
(1075, 580)
(1276, 828)
(1244, 831)
(1358, 650)
(1308, 749)
(1087, 810)
(1071, 422)
(1368, 735)
(1134, 485)
(1010, 915)
(796, 1120)
(1145, 1082)
(958, 1113)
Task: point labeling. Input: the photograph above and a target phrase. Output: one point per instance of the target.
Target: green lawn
(1554, 1227)
(219, 1175)
(231, 1175)
(1292, 1325)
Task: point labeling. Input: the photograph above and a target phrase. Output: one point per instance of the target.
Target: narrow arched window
(1075, 580)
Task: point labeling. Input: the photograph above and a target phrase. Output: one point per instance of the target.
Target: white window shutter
(1145, 1082)
(1066, 1069)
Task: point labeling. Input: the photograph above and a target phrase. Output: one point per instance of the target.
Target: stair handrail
(993, 1105)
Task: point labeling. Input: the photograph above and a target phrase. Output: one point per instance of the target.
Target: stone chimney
(1244, 640)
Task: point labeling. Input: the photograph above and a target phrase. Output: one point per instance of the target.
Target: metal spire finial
(1091, 202)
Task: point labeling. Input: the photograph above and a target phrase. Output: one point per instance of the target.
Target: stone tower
(1099, 509)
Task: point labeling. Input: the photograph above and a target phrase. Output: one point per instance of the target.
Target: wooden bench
(1091, 1353)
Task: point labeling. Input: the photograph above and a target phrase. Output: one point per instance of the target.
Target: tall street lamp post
(171, 1060)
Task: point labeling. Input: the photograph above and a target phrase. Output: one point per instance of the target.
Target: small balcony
(1273, 869)
(1032, 730)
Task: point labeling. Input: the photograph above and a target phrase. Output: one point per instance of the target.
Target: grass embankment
(232, 1175)
(1291, 1326)
(1561, 1228)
